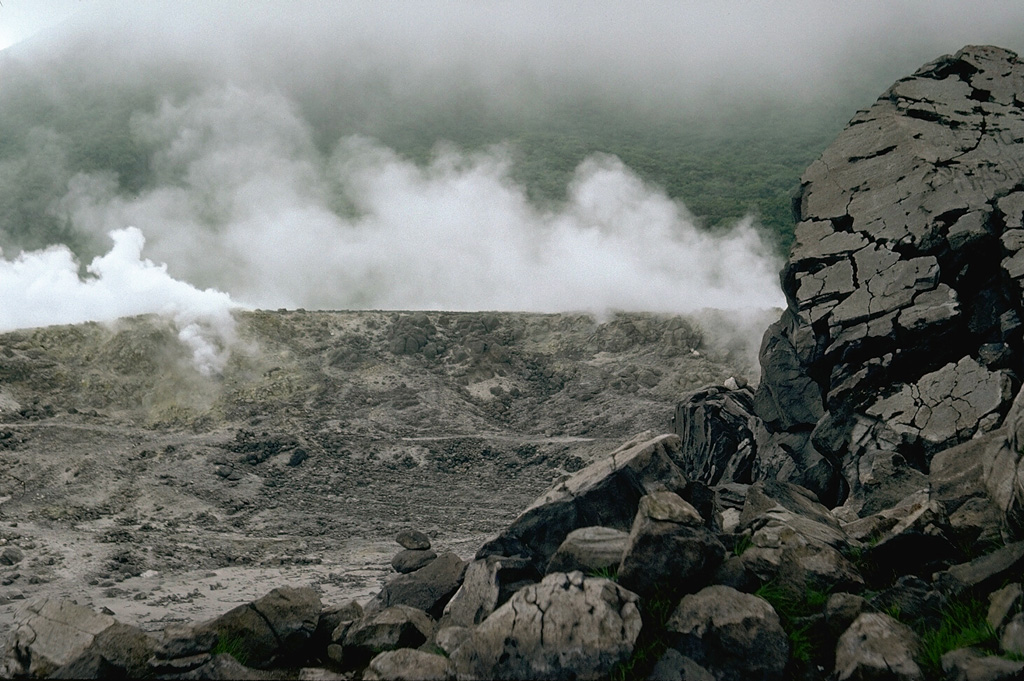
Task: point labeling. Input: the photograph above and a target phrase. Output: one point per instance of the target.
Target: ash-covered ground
(131, 482)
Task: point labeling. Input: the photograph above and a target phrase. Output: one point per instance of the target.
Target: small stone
(411, 560)
(1012, 640)
(11, 555)
(413, 540)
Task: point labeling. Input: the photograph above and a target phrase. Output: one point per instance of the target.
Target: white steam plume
(41, 288)
(244, 203)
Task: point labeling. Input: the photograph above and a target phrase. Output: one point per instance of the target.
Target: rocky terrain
(132, 483)
(859, 514)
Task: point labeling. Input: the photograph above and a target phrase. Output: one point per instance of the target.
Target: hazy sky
(20, 19)
(242, 194)
(793, 36)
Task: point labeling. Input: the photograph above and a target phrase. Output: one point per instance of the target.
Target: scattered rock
(716, 427)
(428, 589)
(877, 646)
(414, 540)
(674, 666)
(668, 545)
(1003, 604)
(411, 560)
(605, 493)
(1012, 639)
(567, 627)
(406, 664)
(737, 635)
(969, 664)
(272, 629)
(488, 583)
(11, 555)
(395, 627)
(589, 549)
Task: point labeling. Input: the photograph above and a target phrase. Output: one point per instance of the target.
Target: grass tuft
(233, 646)
(962, 624)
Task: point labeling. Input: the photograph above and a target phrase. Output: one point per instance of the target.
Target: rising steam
(254, 175)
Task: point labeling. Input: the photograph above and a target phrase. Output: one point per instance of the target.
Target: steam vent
(902, 333)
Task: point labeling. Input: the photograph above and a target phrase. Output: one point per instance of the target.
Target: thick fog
(186, 156)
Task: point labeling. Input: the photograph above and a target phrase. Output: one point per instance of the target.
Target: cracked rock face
(567, 627)
(902, 333)
(271, 627)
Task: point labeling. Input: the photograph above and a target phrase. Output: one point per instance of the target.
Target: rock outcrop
(902, 333)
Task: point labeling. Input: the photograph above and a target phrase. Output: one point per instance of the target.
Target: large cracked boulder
(902, 333)
(273, 629)
(567, 627)
(60, 637)
(605, 493)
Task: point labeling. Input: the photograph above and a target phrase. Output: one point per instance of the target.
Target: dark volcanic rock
(605, 493)
(272, 629)
(428, 589)
(716, 427)
(903, 326)
(735, 635)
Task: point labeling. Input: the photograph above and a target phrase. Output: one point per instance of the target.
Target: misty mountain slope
(325, 434)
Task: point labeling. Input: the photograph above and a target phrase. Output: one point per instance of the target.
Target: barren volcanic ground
(129, 481)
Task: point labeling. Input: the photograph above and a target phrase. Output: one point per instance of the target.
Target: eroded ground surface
(131, 482)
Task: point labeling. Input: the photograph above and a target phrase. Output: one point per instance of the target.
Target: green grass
(742, 544)
(652, 642)
(610, 572)
(962, 624)
(796, 614)
(233, 646)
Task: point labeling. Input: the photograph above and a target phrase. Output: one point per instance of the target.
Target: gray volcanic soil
(128, 481)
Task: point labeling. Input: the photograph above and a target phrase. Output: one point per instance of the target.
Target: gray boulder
(398, 626)
(567, 627)
(52, 635)
(589, 549)
(985, 573)
(605, 493)
(1004, 470)
(273, 629)
(182, 648)
(428, 589)
(488, 583)
(669, 549)
(674, 666)
(411, 560)
(331, 617)
(1012, 639)
(878, 647)
(917, 544)
(407, 664)
(796, 542)
(969, 664)
(735, 636)
(1003, 604)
